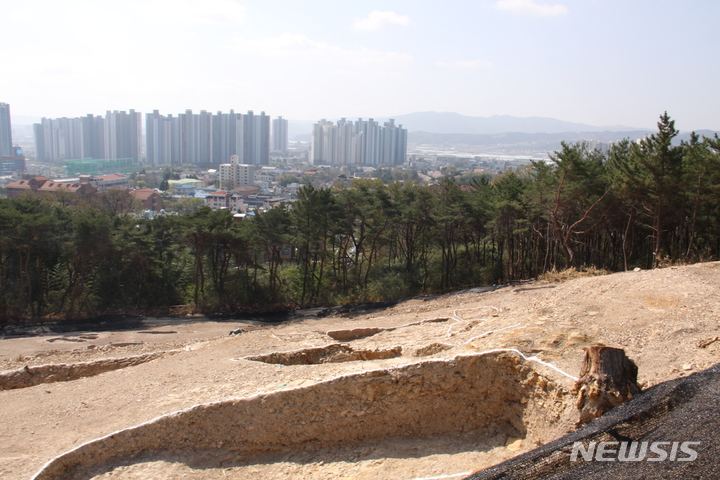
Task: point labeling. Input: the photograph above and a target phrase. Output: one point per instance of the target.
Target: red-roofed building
(42, 185)
(151, 199)
(16, 188)
(71, 187)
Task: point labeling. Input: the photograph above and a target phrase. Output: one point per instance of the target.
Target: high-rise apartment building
(12, 159)
(162, 138)
(205, 138)
(364, 142)
(279, 135)
(117, 135)
(256, 139)
(6, 146)
(123, 135)
(393, 146)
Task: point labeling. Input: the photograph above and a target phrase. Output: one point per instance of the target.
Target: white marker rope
(533, 359)
(458, 318)
(469, 326)
(457, 315)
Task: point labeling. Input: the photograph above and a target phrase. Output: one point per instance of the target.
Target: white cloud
(101, 16)
(465, 64)
(377, 20)
(531, 9)
(299, 47)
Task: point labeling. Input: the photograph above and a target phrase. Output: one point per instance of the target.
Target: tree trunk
(607, 378)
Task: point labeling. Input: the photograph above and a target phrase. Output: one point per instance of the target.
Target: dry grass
(555, 276)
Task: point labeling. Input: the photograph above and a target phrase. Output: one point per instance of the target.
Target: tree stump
(607, 378)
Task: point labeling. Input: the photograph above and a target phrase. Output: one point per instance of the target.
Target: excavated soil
(328, 354)
(427, 388)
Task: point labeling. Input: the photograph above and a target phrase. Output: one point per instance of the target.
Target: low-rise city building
(234, 173)
(151, 199)
(43, 185)
(104, 182)
(222, 199)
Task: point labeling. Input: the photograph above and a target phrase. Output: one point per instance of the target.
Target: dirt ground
(667, 320)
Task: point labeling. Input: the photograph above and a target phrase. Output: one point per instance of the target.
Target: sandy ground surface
(666, 320)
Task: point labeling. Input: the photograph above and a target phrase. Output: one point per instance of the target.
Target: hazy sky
(603, 62)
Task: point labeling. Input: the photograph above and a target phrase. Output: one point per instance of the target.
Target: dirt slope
(664, 319)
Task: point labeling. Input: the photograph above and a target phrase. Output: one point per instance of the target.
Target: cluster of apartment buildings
(364, 142)
(207, 138)
(117, 135)
(120, 141)
(211, 138)
(187, 138)
(116, 140)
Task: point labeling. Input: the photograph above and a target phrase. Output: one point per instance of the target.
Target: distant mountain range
(500, 133)
(519, 143)
(450, 128)
(534, 143)
(449, 122)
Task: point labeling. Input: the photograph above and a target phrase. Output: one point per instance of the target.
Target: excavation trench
(362, 332)
(334, 353)
(64, 372)
(494, 393)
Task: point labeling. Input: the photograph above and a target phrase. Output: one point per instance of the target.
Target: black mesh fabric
(681, 410)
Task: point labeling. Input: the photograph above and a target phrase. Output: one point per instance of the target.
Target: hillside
(314, 375)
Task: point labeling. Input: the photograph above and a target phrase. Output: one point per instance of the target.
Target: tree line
(634, 204)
